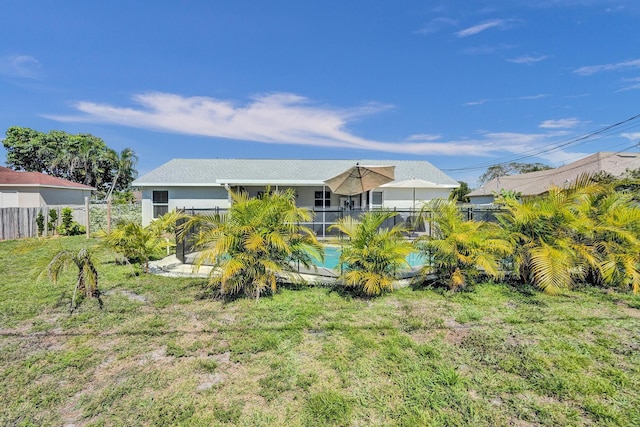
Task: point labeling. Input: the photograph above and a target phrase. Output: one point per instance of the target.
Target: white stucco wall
(482, 200)
(402, 198)
(63, 197)
(9, 199)
(212, 197)
(185, 197)
(34, 197)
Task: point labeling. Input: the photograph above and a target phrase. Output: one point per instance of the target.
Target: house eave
(222, 182)
(47, 186)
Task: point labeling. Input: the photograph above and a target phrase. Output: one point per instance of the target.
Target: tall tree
(82, 158)
(125, 171)
(502, 169)
(26, 150)
(460, 193)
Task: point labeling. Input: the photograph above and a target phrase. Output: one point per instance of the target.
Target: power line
(582, 139)
(544, 176)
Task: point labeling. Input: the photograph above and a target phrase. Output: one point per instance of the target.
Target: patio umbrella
(358, 179)
(413, 183)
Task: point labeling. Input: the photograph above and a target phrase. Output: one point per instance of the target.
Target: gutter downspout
(227, 187)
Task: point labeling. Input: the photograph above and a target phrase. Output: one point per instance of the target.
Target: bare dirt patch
(134, 297)
(208, 381)
(629, 311)
(456, 332)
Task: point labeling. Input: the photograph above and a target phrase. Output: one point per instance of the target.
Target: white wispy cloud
(487, 49)
(593, 69)
(529, 97)
(476, 29)
(278, 118)
(527, 59)
(478, 102)
(518, 98)
(20, 66)
(435, 25)
(567, 123)
(424, 137)
(630, 84)
(285, 118)
(524, 143)
(631, 136)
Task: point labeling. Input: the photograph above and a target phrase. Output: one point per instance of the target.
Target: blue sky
(462, 84)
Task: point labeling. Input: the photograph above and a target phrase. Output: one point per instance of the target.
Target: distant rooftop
(10, 177)
(536, 183)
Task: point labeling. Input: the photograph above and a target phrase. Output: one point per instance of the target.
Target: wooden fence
(17, 223)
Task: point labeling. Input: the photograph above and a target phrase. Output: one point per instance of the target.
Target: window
(321, 201)
(376, 198)
(160, 203)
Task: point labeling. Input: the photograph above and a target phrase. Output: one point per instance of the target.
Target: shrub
(69, 227)
(137, 243)
(86, 285)
(53, 220)
(460, 250)
(372, 255)
(252, 243)
(40, 222)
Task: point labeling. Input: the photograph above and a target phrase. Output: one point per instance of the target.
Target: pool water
(332, 256)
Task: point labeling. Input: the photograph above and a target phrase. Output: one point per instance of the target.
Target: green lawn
(162, 352)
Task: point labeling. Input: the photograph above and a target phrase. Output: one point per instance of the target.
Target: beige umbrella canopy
(413, 183)
(358, 179)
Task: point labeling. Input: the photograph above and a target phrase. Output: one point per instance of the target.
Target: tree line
(81, 158)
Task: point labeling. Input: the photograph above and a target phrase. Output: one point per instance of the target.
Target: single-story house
(204, 184)
(35, 189)
(537, 183)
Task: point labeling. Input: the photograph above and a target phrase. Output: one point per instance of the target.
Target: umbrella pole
(324, 211)
(414, 199)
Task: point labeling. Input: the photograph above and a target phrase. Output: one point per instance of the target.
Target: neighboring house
(35, 189)
(537, 183)
(204, 184)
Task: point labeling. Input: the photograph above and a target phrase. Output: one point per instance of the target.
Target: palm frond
(551, 268)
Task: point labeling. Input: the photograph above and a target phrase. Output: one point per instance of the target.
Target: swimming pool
(332, 256)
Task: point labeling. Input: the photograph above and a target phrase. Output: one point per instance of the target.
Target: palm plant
(613, 234)
(87, 279)
(137, 243)
(373, 254)
(584, 232)
(542, 232)
(459, 250)
(254, 242)
(63, 161)
(88, 156)
(125, 163)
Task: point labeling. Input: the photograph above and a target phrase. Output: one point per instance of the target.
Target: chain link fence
(99, 214)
